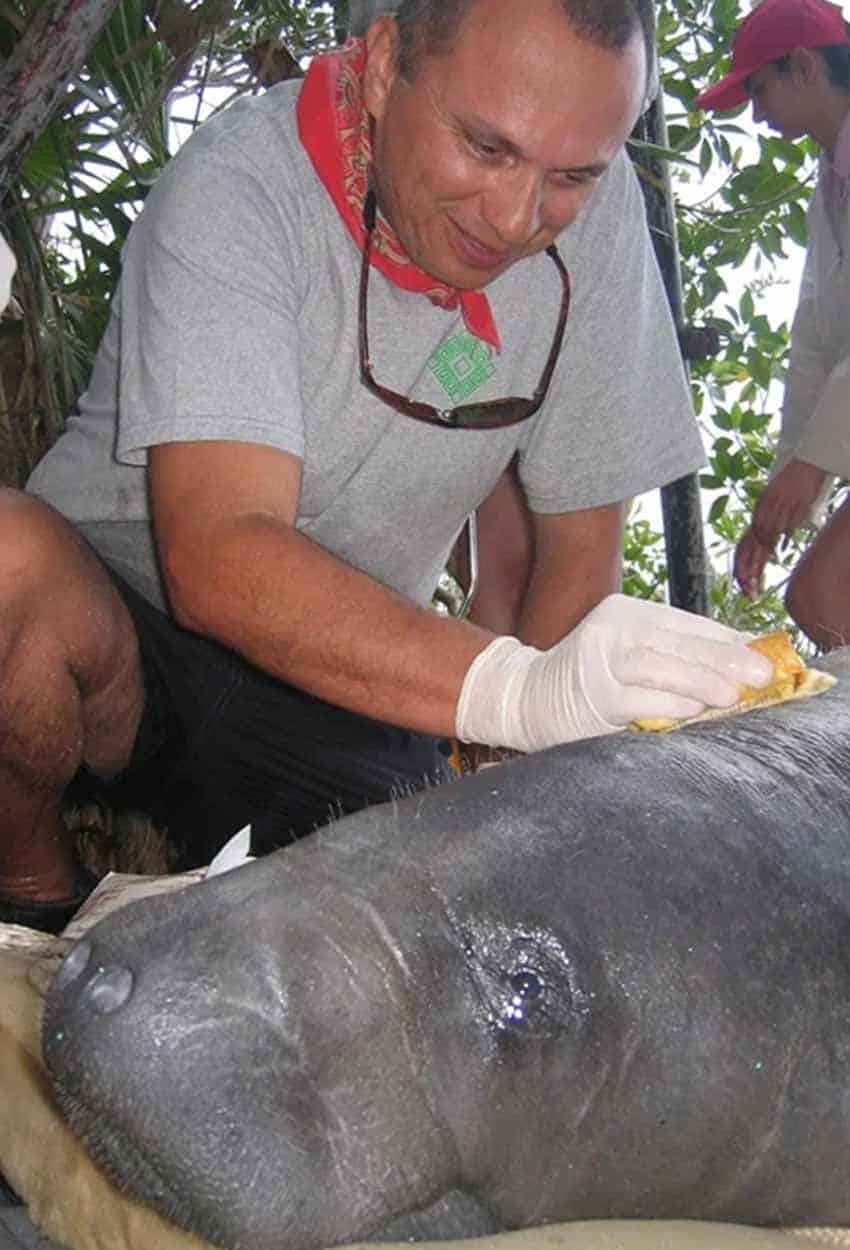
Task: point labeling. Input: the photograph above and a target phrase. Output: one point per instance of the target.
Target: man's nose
(514, 206)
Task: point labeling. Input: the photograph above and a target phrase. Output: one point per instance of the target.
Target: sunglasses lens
(493, 415)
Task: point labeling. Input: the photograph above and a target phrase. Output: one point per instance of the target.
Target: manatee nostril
(74, 963)
(108, 990)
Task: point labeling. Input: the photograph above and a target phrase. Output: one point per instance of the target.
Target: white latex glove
(628, 659)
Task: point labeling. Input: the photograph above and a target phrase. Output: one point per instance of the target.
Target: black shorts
(222, 744)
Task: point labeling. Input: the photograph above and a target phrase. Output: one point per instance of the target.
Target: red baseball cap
(769, 32)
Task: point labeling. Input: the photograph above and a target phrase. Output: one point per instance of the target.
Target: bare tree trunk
(33, 79)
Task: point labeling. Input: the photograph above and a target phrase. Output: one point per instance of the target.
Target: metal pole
(681, 504)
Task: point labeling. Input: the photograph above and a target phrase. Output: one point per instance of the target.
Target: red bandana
(334, 128)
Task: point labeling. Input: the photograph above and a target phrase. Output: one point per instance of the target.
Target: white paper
(233, 854)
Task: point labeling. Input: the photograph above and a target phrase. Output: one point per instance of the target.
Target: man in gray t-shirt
(343, 312)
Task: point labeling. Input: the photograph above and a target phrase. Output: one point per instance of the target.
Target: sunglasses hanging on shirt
(491, 414)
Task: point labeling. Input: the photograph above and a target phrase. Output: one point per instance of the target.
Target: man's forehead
(509, 18)
(490, 27)
(491, 40)
(533, 92)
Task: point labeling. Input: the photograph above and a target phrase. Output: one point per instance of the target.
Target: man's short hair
(837, 59)
(835, 56)
(429, 27)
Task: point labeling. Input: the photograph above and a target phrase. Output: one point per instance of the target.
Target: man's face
(777, 100)
(493, 148)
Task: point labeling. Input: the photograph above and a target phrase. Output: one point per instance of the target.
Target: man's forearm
(306, 617)
(577, 562)
(292, 609)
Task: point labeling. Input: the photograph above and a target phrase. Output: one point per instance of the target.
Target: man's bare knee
(46, 573)
(68, 649)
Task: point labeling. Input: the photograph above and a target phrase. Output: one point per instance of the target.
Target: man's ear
(806, 66)
(381, 64)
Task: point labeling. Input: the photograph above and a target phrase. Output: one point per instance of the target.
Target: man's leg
(818, 593)
(70, 690)
(222, 745)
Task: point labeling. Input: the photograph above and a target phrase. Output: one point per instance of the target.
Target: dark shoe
(48, 916)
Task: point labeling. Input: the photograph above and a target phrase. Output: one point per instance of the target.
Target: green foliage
(644, 563)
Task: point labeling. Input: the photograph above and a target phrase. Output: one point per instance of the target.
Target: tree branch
(33, 79)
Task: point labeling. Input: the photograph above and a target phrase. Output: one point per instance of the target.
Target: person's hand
(628, 659)
(787, 501)
(785, 505)
(749, 564)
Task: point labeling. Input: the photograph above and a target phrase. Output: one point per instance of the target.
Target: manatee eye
(526, 984)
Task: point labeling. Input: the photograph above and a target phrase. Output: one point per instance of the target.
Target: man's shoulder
(260, 128)
(248, 158)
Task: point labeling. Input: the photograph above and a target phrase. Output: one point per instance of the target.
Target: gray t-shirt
(236, 318)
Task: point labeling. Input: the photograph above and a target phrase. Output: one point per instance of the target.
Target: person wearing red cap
(791, 59)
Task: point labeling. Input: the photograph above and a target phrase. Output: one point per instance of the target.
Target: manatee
(608, 980)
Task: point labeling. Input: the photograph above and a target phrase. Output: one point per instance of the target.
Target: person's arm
(787, 500)
(539, 575)
(577, 562)
(238, 571)
(785, 505)
(813, 429)
(505, 545)
(814, 443)
(750, 560)
(814, 415)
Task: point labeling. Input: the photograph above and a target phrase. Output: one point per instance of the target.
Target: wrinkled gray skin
(608, 980)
